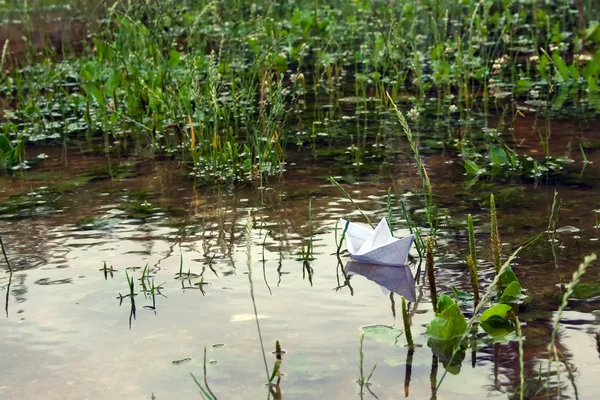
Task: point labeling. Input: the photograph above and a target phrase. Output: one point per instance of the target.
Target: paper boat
(399, 280)
(376, 246)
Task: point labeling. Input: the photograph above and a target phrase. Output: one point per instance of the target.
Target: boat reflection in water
(399, 280)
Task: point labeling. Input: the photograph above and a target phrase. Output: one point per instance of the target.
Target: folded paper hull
(376, 246)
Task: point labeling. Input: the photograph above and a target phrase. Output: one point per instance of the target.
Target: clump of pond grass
(492, 288)
(131, 295)
(107, 271)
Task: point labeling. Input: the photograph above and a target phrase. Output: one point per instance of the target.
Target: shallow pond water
(67, 333)
(79, 225)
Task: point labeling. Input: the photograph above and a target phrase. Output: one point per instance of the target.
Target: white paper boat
(399, 280)
(376, 246)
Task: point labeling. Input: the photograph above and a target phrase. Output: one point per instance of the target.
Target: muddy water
(45, 25)
(68, 334)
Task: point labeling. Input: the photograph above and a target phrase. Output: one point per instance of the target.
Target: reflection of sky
(77, 336)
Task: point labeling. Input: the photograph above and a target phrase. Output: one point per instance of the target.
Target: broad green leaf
(561, 97)
(444, 302)
(593, 32)
(513, 289)
(524, 85)
(592, 85)
(508, 276)
(543, 66)
(561, 66)
(498, 155)
(511, 293)
(88, 71)
(114, 80)
(472, 168)
(174, 58)
(574, 70)
(497, 312)
(4, 144)
(450, 323)
(501, 331)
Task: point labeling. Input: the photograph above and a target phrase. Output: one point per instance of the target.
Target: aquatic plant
(472, 259)
(494, 235)
(430, 274)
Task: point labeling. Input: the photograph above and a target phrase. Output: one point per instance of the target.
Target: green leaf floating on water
(383, 333)
(449, 321)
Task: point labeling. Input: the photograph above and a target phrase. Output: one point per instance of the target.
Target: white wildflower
(583, 57)
(413, 114)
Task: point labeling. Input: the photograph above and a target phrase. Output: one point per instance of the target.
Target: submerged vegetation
(230, 93)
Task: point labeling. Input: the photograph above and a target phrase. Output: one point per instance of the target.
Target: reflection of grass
(552, 349)
(364, 381)
(205, 391)
(4, 254)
